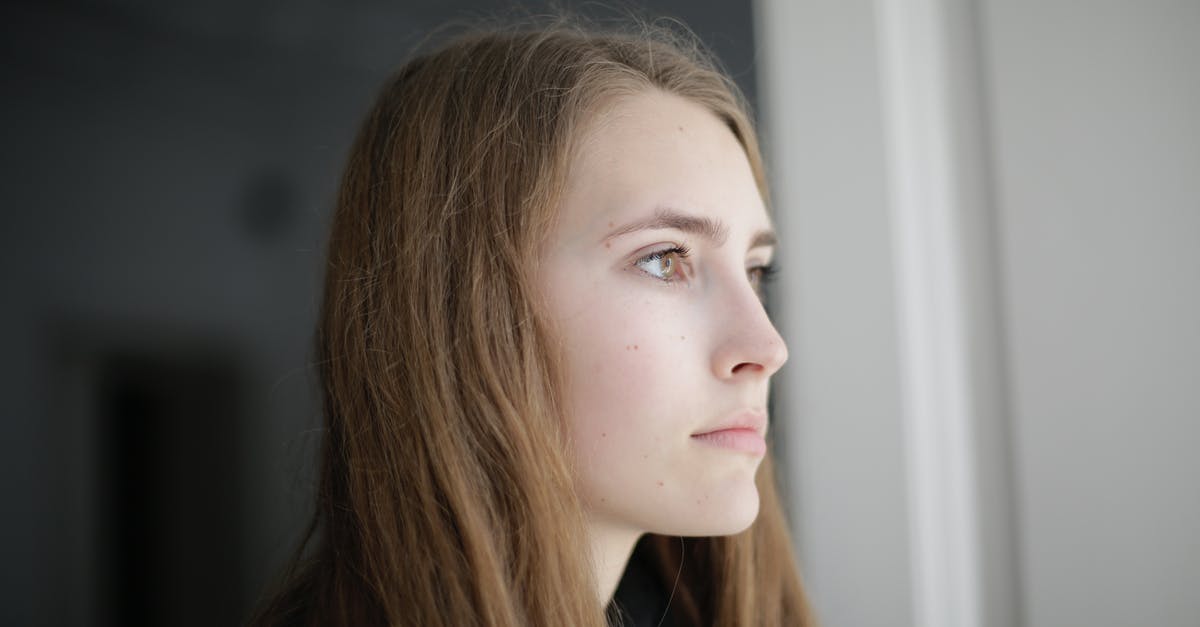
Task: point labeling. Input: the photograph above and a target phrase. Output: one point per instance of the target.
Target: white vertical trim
(932, 312)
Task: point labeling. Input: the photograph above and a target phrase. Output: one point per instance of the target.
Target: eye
(664, 265)
(761, 275)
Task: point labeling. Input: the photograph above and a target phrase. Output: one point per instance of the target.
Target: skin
(660, 348)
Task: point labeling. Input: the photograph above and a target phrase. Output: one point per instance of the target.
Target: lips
(743, 431)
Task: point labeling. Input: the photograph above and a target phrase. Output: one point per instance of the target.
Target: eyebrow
(709, 228)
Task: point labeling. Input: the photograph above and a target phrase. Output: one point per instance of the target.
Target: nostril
(747, 367)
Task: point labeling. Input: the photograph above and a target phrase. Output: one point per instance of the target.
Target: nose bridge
(747, 340)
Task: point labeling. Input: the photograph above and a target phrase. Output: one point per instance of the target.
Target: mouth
(743, 431)
(741, 440)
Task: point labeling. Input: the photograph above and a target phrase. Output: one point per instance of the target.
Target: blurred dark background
(169, 169)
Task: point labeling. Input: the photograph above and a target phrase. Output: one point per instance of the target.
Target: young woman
(543, 346)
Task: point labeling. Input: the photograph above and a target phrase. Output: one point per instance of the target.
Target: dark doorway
(169, 533)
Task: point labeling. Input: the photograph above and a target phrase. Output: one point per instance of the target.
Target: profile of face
(651, 277)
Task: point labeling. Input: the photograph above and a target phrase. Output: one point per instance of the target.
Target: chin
(717, 515)
(735, 519)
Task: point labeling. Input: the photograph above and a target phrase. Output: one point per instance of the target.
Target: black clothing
(642, 598)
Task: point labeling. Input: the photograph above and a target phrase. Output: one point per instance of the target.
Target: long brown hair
(445, 496)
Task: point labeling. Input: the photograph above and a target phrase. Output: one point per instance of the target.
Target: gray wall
(1075, 132)
(1096, 127)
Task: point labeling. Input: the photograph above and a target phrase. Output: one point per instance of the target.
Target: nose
(748, 344)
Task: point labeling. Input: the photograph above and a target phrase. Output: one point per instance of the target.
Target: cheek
(626, 371)
(627, 419)
(630, 363)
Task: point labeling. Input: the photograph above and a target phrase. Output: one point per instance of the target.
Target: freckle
(697, 501)
(682, 337)
(635, 347)
(660, 484)
(604, 435)
(608, 244)
(681, 128)
(611, 224)
(646, 456)
(604, 500)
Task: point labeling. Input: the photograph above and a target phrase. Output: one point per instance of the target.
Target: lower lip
(744, 440)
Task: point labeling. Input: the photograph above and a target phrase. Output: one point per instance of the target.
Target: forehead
(655, 149)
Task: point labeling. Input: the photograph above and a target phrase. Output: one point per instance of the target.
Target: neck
(611, 547)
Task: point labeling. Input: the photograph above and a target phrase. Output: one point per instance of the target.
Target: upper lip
(750, 419)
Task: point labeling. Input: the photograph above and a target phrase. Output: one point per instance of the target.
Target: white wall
(992, 215)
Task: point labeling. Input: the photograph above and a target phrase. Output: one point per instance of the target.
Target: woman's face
(651, 278)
